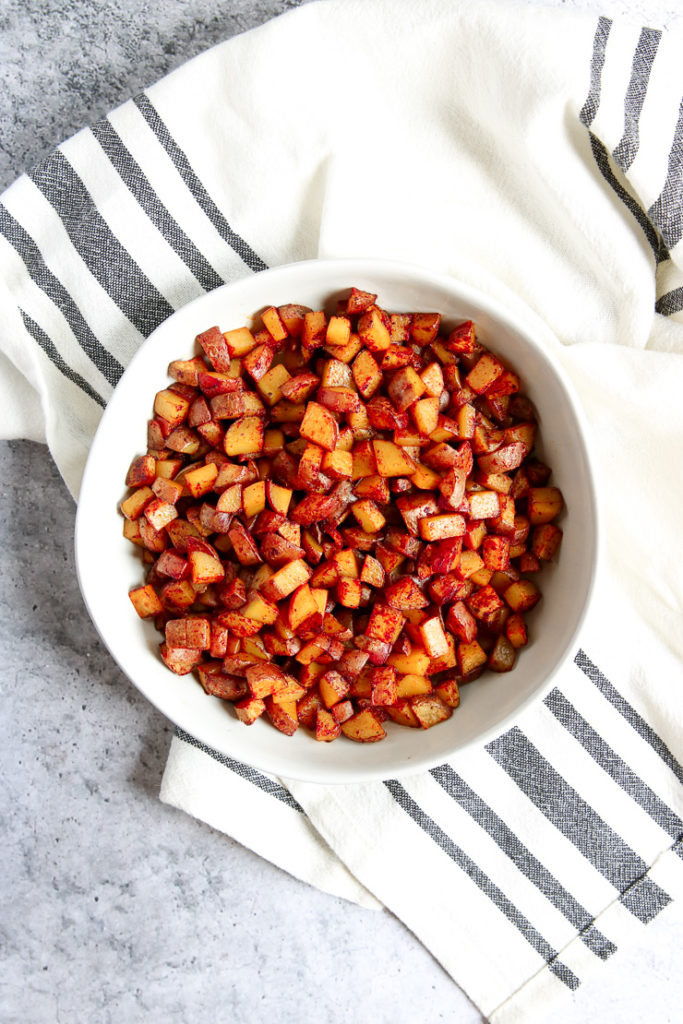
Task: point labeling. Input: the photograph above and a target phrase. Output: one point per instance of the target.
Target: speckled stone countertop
(114, 907)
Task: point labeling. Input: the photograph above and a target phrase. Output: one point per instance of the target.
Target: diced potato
(405, 388)
(366, 374)
(411, 685)
(200, 480)
(439, 527)
(146, 601)
(430, 710)
(134, 505)
(273, 323)
(522, 596)
(545, 503)
(363, 727)
(303, 610)
(368, 516)
(244, 437)
(264, 679)
(320, 426)
(349, 592)
(433, 637)
(249, 709)
(338, 330)
(254, 498)
(327, 728)
(260, 610)
(338, 464)
(373, 330)
(470, 657)
(194, 634)
(485, 371)
(484, 504)
(271, 382)
(171, 407)
(239, 341)
(285, 581)
(425, 412)
(391, 460)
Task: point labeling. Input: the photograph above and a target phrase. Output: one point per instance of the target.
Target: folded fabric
(537, 155)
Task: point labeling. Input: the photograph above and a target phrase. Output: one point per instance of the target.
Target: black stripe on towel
(667, 211)
(106, 363)
(104, 255)
(601, 156)
(600, 153)
(39, 335)
(579, 823)
(135, 180)
(202, 197)
(615, 766)
(524, 860)
(497, 897)
(244, 771)
(635, 720)
(670, 303)
(643, 59)
(590, 107)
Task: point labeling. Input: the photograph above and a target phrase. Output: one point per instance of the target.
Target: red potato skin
(402, 514)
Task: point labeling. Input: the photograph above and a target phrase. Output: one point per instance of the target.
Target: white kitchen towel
(538, 155)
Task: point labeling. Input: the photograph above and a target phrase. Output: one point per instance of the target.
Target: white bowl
(109, 566)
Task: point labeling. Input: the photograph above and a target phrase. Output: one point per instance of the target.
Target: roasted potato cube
(485, 371)
(385, 624)
(433, 637)
(180, 660)
(333, 687)
(366, 374)
(363, 727)
(368, 516)
(264, 679)
(442, 526)
(502, 657)
(411, 685)
(273, 323)
(430, 710)
(348, 592)
(283, 714)
(522, 595)
(146, 601)
(134, 505)
(249, 709)
(244, 437)
(390, 460)
(193, 634)
(239, 342)
(545, 541)
(285, 581)
(383, 682)
(545, 503)
(405, 388)
(171, 407)
(200, 480)
(425, 327)
(326, 726)
(470, 657)
(373, 330)
(359, 301)
(338, 330)
(320, 426)
(484, 504)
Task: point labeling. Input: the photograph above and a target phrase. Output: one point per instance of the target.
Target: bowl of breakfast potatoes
(339, 520)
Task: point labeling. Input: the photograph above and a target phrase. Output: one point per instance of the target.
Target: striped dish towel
(533, 153)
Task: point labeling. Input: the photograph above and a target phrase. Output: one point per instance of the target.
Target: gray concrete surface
(113, 907)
